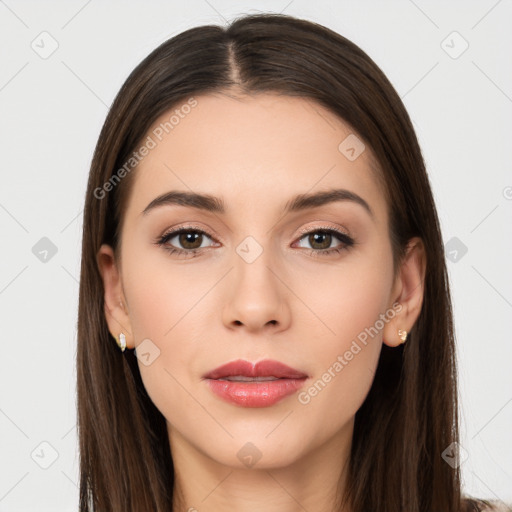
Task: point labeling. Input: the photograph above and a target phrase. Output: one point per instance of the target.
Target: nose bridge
(257, 296)
(254, 264)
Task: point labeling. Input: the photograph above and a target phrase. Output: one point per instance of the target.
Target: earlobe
(116, 314)
(408, 292)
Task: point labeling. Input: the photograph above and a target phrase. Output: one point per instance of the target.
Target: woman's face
(261, 284)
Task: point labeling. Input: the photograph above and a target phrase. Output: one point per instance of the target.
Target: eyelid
(186, 227)
(307, 230)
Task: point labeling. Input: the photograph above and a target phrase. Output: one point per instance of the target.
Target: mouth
(242, 378)
(254, 385)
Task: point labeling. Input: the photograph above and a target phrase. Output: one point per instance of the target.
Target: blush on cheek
(344, 379)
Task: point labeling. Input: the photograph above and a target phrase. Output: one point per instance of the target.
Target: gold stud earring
(402, 335)
(121, 341)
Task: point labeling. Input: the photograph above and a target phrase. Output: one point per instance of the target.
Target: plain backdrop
(62, 63)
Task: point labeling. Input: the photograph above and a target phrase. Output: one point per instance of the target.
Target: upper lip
(265, 368)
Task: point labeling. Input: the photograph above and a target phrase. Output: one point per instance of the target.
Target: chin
(258, 452)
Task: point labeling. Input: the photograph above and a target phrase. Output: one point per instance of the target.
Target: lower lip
(255, 394)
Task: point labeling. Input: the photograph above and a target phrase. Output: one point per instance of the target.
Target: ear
(407, 291)
(116, 308)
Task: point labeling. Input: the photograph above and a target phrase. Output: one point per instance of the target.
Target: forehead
(253, 151)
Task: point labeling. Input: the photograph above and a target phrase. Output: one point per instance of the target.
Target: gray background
(51, 112)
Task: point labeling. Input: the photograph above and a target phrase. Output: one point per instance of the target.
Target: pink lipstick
(254, 385)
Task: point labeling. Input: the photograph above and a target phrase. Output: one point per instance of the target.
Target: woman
(261, 241)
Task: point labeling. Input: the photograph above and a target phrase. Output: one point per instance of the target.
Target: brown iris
(320, 237)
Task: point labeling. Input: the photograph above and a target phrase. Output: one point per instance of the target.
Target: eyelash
(346, 240)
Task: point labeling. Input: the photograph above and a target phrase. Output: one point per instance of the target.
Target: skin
(288, 305)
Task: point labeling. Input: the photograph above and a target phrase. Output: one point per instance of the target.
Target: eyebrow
(216, 205)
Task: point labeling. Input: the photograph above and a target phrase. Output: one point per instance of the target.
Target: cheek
(161, 308)
(346, 348)
(343, 299)
(161, 293)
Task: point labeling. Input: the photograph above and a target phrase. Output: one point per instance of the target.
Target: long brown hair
(410, 415)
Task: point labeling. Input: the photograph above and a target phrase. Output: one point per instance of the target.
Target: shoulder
(472, 504)
(497, 506)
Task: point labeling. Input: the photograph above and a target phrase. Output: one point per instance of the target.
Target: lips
(260, 385)
(266, 368)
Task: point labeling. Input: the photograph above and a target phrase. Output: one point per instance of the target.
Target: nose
(257, 297)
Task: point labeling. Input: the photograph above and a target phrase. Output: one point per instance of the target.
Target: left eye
(324, 238)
